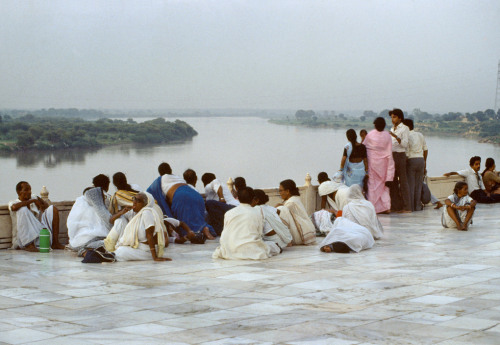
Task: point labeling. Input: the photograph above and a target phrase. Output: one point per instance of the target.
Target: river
(262, 152)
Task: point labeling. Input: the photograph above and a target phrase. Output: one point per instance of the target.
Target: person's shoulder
(12, 202)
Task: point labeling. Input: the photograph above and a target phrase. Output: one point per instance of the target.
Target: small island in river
(31, 132)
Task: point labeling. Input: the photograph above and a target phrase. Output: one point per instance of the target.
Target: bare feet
(404, 211)
(180, 240)
(438, 205)
(31, 248)
(385, 212)
(326, 249)
(57, 245)
(208, 234)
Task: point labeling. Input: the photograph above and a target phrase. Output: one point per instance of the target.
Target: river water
(251, 147)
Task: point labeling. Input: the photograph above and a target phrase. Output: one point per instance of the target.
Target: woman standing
(293, 213)
(354, 162)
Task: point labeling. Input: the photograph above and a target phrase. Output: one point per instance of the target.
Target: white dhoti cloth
(28, 226)
(322, 220)
(363, 213)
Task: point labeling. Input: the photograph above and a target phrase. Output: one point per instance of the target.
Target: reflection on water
(50, 159)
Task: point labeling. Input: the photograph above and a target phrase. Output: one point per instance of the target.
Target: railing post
(44, 194)
(310, 199)
(230, 184)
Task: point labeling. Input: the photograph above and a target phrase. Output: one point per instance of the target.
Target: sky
(438, 56)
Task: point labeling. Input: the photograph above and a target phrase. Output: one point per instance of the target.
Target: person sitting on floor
(138, 233)
(88, 221)
(459, 208)
(124, 193)
(218, 200)
(242, 235)
(239, 183)
(347, 236)
(274, 229)
(190, 177)
(177, 200)
(475, 182)
(361, 211)
(490, 177)
(103, 182)
(29, 215)
(293, 213)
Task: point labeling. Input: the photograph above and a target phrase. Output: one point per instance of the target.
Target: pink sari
(380, 168)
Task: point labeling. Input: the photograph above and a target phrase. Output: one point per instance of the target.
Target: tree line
(34, 132)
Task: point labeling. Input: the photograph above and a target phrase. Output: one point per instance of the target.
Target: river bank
(483, 132)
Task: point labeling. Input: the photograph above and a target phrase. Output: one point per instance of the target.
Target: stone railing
(440, 186)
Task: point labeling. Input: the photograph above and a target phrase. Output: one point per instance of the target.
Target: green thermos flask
(44, 241)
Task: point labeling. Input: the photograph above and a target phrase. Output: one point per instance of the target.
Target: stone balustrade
(440, 186)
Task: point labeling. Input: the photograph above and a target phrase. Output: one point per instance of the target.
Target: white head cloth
(328, 187)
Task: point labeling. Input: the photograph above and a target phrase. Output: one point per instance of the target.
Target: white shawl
(130, 235)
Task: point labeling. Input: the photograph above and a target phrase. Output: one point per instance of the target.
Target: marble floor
(420, 284)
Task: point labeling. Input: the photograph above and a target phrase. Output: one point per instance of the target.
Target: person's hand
(39, 203)
(126, 209)
(162, 259)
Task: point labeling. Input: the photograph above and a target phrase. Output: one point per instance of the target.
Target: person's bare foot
(385, 212)
(31, 248)
(404, 211)
(57, 245)
(438, 205)
(326, 249)
(208, 234)
(180, 240)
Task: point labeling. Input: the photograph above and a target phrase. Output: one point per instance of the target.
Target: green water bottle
(44, 241)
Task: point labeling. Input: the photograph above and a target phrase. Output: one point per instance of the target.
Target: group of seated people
(133, 224)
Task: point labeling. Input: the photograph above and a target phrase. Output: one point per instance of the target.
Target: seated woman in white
(293, 213)
(139, 234)
(29, 215)
(274, 230)
(347, 236)
(361, 211)
(88, 221)
(459, 208)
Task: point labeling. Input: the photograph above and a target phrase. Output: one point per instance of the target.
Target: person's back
(242, 234)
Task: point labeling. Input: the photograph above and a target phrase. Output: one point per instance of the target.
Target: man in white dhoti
(242, 235)
(333, 198)
(29, 215)
(139, 233)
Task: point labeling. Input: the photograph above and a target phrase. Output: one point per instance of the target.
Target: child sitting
(459, 208)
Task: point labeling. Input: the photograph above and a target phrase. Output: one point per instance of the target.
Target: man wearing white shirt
(475, 182)
(400, 193)
(416, 152)
(219, 200)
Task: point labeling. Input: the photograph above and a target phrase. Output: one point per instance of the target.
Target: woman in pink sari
(380, 166)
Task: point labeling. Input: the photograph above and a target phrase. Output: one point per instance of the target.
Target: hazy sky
(436, 55)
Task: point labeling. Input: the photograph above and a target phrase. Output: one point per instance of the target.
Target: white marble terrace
(420, 284)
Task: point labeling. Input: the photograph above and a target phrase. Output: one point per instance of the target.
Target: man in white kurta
(241, 238)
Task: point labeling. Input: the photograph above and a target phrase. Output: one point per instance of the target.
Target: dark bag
(426, 194)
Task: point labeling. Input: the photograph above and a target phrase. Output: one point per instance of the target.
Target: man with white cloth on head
(241, 238)
(333, 198)
(140, 233)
